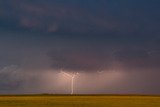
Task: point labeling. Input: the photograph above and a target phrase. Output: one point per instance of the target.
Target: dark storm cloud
(75, 17)
(138, 19)
(86, 36)
(88, 57)
(138, 59)
(93, 60)
(51, 17)
(81, 59)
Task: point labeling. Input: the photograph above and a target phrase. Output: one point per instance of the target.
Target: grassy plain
(79, 101)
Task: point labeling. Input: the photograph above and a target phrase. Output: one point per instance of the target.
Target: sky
(114, 45)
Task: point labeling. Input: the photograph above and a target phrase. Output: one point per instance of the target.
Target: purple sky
(113, 44)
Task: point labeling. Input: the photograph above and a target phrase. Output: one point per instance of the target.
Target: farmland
(79, 101)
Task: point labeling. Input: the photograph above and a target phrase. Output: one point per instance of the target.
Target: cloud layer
(113, 44)
(75, 18)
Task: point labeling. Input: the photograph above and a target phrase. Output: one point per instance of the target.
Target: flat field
(79, 101)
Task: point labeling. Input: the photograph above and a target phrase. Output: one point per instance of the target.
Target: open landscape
(79, 101)
(79, 53)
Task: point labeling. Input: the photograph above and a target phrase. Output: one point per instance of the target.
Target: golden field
(79, 101)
